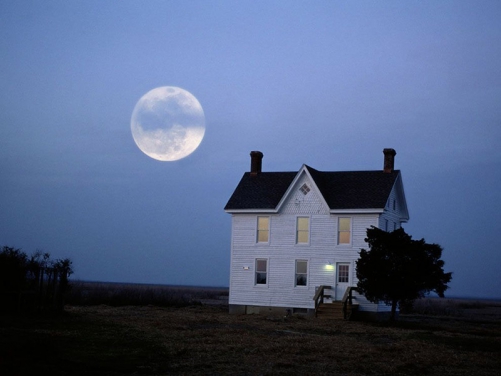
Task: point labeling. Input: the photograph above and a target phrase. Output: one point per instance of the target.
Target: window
(305, 189)
(261, 271)
(343, 274)
(344, 231)
(263, 229)
(394, 204)
(302, 230)
(301, 272)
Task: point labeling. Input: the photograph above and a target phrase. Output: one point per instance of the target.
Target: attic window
(305, 189)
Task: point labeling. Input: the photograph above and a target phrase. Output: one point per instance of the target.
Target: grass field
(198, 339)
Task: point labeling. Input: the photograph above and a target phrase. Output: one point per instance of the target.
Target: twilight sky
(326, 83)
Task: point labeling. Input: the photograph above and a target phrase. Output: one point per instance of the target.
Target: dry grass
(466, 308)
(135, 294)
(206, 340)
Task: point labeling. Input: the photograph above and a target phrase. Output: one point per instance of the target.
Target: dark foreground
(205, 340)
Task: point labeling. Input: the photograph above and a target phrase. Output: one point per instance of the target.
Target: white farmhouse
(296, 235)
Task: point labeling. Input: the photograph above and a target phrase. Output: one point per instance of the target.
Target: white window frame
(308, 232)
(256, 272)
(296, 273)
(339, 231)
(338, 272)
(258, 229)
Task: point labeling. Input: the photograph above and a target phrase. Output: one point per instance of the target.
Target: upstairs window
(263, 229)
(344, 231)
(261, 271)
(301, 272)
(302, 230)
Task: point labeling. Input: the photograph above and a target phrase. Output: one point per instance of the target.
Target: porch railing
(348, 302)
(320, 295)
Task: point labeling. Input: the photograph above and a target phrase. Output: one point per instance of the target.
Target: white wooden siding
(298, 203)
(282, 252)
(394, 217)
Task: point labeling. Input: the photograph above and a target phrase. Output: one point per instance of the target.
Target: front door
(342, 278)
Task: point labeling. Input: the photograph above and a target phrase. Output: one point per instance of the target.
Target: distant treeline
(36, 283)
(132, 294)
(32, 283)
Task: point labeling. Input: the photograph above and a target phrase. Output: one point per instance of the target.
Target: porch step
(330, 311)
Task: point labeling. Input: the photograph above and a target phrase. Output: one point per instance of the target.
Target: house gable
(303, 196)
(401, 201)
(395, 211)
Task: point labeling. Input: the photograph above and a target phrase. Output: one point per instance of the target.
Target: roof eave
(250, 211)
(357, 211)
(406, 209)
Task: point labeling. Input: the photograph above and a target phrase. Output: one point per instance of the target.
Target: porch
(343, 309)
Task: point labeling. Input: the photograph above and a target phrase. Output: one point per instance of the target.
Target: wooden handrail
(348, 293)
(320, 291)
(348, 299)
(319, 296)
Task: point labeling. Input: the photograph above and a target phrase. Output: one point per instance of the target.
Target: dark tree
(62, 270)
(44, 280)
(12, 269)
(398, 270)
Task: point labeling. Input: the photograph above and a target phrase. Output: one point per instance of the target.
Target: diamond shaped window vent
(305, 189)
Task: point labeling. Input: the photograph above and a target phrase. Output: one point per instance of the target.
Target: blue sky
(326, 83)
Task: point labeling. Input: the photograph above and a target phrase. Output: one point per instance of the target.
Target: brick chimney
(256, 162)
(389, 160)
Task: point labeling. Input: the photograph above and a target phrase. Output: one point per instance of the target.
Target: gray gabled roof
(262, 191)
(340, 189)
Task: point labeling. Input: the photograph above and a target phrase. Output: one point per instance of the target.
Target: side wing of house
(395, 211)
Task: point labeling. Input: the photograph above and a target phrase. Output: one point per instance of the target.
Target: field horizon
(454, 296)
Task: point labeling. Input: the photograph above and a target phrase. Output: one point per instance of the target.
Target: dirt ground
(206, 340)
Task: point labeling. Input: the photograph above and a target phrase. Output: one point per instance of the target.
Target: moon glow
(168, 123)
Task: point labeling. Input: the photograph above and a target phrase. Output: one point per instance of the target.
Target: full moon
(168, 123)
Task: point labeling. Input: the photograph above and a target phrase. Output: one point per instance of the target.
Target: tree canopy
(398, 270)
(46, 279)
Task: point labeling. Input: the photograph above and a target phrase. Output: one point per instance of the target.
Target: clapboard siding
(322, 251)
(299, 203)
(360, 225)
(282, 252)
(395, 212)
